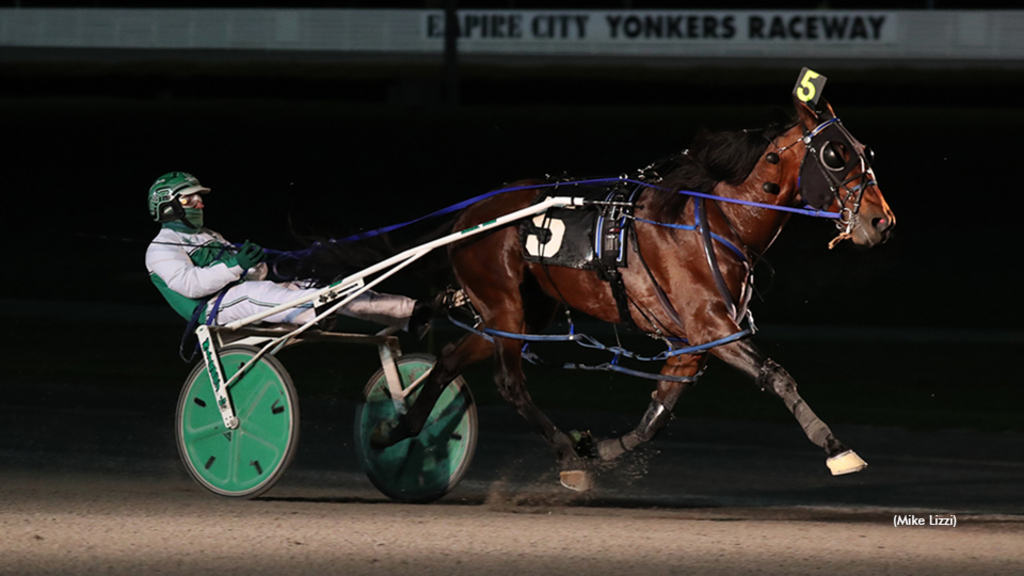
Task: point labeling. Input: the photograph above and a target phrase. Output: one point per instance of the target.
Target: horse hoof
(577, 480)
(846, 463)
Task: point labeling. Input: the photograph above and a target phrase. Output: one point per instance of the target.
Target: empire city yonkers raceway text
(654, 26)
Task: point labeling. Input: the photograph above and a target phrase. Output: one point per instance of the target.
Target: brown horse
(675, 288)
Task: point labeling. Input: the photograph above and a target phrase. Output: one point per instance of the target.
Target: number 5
(806, 91)
(534, 246)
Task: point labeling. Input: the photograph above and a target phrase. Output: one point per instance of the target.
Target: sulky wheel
(249, 460)
(428, 466)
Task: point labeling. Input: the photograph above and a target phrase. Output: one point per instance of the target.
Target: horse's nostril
(880, 223)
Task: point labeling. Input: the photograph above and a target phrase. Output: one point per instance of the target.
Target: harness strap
(190, 330)
(658, 290)
(614, 279)
(211, 317)
(587, 341)
(612, 366)
(701, 215)
(215, 309)
(609, 367)
(614, 223)
(690, 227)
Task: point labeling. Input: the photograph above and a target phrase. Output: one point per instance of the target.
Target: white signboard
(673, 35)
(582, 27)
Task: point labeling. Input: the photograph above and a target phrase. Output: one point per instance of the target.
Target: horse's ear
(828, 113)
(808, 117)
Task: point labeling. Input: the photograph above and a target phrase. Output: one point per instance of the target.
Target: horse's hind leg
(452, 362)
(512, 385)
(659, 412)
(772, 377)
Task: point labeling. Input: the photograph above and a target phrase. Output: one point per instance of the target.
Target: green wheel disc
(428, 466)
(249, 460)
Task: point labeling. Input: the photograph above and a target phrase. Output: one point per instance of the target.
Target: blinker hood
(824, 169)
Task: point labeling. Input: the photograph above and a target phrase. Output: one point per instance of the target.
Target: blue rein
(584, 339)
(808, 211)
(739, 253)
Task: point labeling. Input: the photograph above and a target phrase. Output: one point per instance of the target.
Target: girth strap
(612, 231)
(614, 279)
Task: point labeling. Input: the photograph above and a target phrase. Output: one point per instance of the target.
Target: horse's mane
(713, 157)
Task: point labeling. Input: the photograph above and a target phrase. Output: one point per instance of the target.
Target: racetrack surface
(92, 486)
(103, 525)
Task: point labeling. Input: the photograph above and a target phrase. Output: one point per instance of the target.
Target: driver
(195, 268)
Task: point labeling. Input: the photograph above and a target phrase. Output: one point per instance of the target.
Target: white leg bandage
(251, 298)
(387, 309)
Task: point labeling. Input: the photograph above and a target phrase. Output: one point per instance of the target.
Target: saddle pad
(568, 236)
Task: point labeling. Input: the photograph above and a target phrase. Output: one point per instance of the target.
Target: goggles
(191, 200)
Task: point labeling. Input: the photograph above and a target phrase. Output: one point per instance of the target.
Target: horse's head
(836, 175)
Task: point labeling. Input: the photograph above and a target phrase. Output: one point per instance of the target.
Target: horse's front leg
(659, 412)
(772, 377)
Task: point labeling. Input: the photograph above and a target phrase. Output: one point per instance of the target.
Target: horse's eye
(869, 155)
(833, 156)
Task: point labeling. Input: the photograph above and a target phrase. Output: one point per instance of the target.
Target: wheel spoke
(257, 432)
(234, 458)
(260, 390)
(204, 432)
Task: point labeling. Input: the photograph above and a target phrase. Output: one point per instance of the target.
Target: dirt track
(98, 524)
(91, 485)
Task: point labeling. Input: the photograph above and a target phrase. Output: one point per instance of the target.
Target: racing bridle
(830, 176)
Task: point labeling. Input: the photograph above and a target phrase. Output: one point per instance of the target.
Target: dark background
(282, 157)
(334, 145)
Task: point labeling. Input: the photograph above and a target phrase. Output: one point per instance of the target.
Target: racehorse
(683, 285)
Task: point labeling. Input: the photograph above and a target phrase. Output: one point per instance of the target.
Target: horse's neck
(757, 228)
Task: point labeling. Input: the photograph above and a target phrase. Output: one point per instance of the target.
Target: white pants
(249, 298)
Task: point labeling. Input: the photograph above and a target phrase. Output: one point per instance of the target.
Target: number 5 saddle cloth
(592, 237)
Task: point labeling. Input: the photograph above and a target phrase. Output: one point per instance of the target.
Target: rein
(701, 225)
(807, 211)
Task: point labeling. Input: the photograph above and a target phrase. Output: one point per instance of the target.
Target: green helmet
(164, 194)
